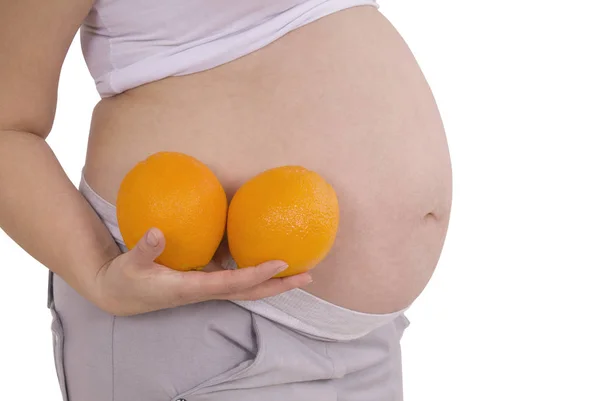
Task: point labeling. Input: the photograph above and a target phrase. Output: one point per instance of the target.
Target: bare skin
(46, 215)
(342, 96)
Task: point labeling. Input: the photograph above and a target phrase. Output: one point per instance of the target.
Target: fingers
(232, 281)
(199, 286)
(149, 247)
(270, 288)
(127, 288)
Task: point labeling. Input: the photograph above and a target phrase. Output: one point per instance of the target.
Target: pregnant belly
(342, 96)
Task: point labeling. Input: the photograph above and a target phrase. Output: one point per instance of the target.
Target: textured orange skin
(180, 196)
(287, 213)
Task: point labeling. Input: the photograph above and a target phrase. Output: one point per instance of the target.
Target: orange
(180, 196)
(286, 213)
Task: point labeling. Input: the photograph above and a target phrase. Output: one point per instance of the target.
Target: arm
(46, 215)
(39, 207)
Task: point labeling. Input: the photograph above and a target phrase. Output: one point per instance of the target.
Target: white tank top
(127, 43)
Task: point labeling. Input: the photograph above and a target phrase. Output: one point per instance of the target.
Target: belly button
(430, 215)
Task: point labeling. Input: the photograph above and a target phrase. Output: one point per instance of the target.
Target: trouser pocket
(286, 367)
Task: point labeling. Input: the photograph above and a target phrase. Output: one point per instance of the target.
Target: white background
(511, 312)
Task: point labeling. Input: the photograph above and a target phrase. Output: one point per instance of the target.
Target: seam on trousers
(50, 299)
(333, 369)
(112, 355)
(334, 373)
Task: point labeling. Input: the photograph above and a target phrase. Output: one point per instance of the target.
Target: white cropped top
(127, 43)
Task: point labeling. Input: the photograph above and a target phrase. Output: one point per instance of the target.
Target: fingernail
(281, 268)
(151, 238)
(308, 280)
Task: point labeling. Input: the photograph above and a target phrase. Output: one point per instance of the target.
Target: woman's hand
(132, 283)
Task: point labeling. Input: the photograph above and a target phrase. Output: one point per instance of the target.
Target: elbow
(39, 128)
(36, 119)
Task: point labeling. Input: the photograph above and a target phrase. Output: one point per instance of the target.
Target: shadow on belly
(381, 267)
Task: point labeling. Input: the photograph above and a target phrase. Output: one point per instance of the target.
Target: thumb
(149, 247)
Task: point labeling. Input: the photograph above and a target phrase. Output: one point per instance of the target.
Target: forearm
(46, 215)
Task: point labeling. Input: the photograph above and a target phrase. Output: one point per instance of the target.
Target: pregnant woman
(243, 86)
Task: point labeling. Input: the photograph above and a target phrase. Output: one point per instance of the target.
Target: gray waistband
(295, 309)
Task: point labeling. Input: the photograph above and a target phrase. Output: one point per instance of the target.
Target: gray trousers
(215, 351)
